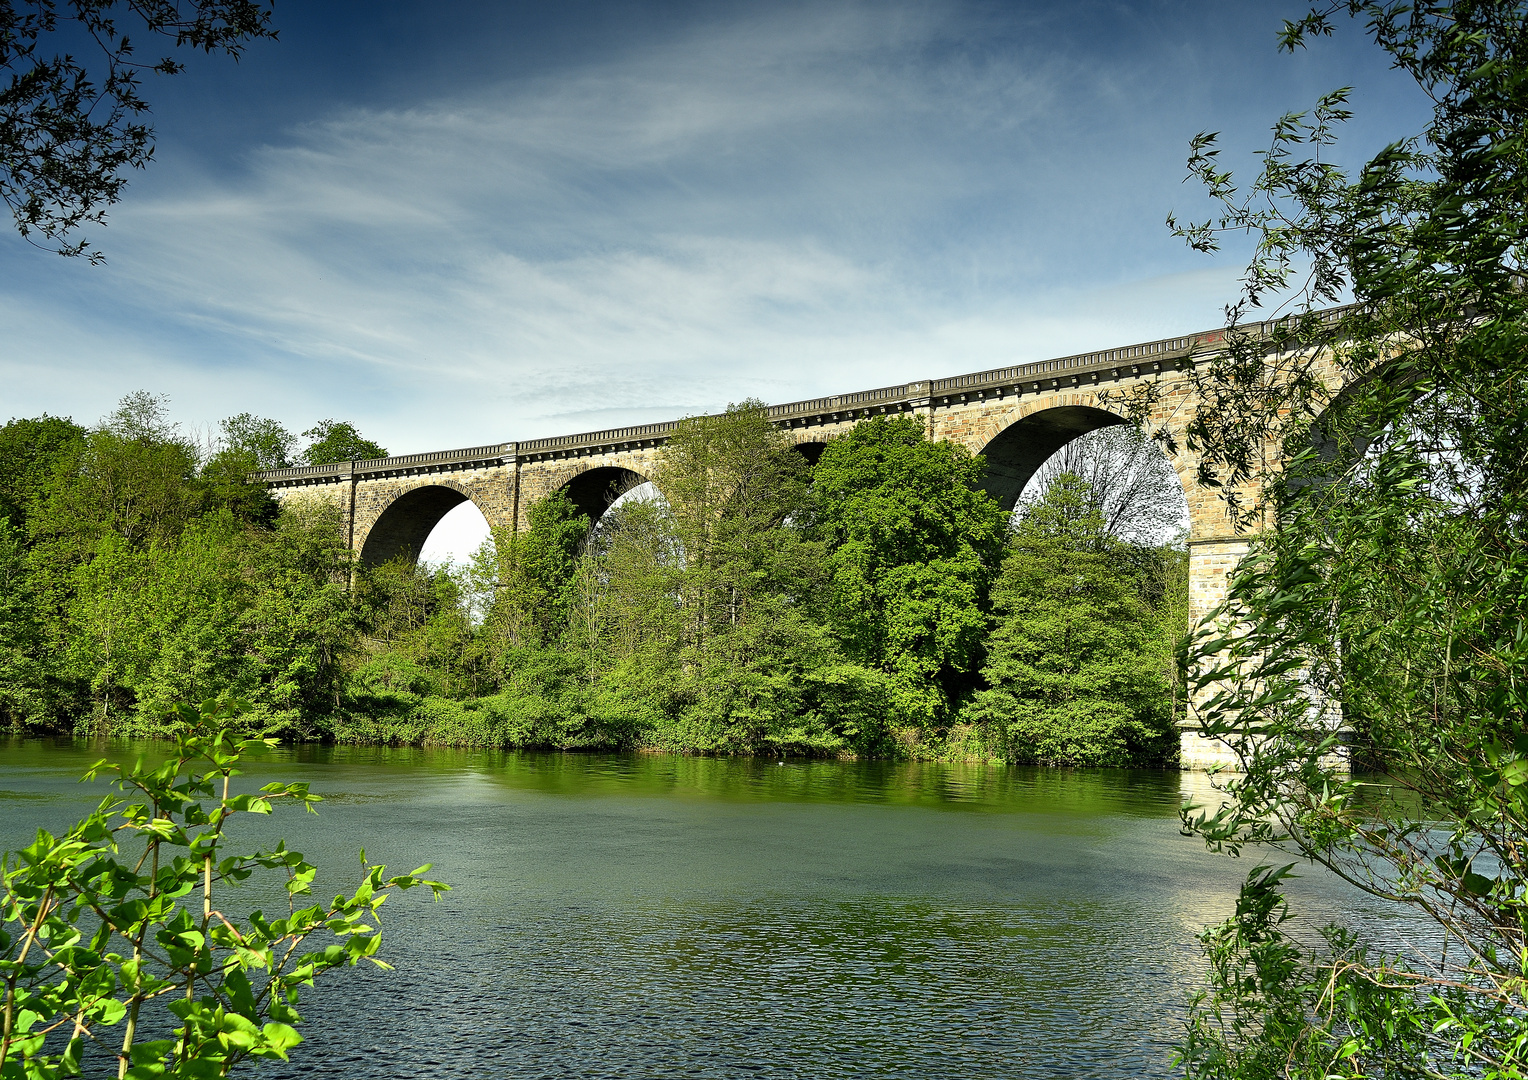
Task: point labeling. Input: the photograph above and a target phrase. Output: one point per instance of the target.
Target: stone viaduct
(1015, 417)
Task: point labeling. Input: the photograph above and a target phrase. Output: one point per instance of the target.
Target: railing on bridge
(1166, 349)
(613, 435)
(489, 453)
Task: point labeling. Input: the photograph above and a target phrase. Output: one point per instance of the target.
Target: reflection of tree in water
(1134, 488)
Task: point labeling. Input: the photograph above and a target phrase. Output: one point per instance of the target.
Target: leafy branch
(91, 938)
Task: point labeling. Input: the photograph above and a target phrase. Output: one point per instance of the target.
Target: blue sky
(456, 223)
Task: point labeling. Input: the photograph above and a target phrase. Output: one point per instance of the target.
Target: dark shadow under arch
(1023, 446)
(812, 451)
(594, 491)
(407, 522)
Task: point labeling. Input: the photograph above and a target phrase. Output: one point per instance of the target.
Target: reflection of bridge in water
(1015, 417)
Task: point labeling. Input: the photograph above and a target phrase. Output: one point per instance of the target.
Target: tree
(417, 625)
(338, 440)
(729, 485)
(265, 443)
(133, 476)
(914, 547)
(23, 672)
(536, 575)
(30, 451)
(688, 620)
(752, 660)
(70, 127)
(222, 610)
(248, 445)
(1388, 593)
(143, 580)
(1132, 486)
(1077, 662)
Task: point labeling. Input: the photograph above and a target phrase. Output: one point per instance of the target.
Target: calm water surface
(646, 916)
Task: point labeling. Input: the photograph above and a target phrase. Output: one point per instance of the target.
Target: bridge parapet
(492, 454)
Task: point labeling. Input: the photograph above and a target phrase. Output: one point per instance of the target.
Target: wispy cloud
(779, 203)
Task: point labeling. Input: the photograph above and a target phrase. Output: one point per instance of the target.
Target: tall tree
(133, 476)
(1078, 664)
(338, 440)
(247, 445)
(23, 664)
(262, 442)
(915, 546)
(30, 451)
(535, 574)
(729, 483)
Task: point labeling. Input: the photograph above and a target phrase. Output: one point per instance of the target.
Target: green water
(643, 915)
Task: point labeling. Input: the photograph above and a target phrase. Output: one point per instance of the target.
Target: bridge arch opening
(1139, 492)
(1017, 452)
(457, 537)
(597, 490)
(1341, 440)
(406, 527)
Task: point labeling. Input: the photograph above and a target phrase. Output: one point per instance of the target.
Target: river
(644, 916)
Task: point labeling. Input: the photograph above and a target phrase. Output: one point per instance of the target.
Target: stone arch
(594, 490)
(406, 522)
(1018, 449)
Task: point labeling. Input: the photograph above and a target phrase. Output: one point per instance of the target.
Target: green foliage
(1078, 665)
(23, 675)
(261, 441)
(718, 617)
(1276, 1009)
(414, 623)
(696, 606)
(29, 453)
(915, 546)
(132, 478)
(1389, 597)
(535, 585)
(224, 610)
(338, 440)
(116, 923)
(249, 444)
(730, 483)
(145, 577)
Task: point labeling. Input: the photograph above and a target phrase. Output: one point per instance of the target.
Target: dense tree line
(877, 603)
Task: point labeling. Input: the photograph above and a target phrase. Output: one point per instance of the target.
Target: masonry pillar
(1211, 561)
(921, 401)
(347, 501)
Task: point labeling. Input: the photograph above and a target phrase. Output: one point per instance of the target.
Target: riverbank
(508, 722)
